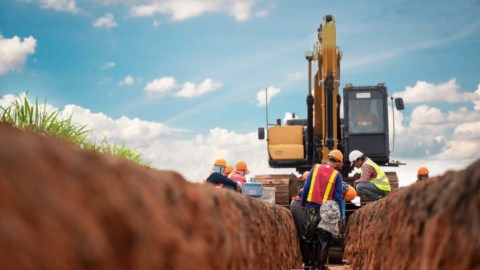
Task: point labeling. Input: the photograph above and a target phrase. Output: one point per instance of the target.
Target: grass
(46, 121)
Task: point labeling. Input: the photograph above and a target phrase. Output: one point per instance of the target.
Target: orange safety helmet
(228, 169)
(336, 154)
(220, 162)
(351, 194)
(305, 175)
(241, 166)
(423, 171)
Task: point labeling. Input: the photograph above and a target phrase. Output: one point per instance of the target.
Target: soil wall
(433, 224)
(61, 208)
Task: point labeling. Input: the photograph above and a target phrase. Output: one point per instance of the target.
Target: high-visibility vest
(364, 122)
(381, 181)
(322, 185)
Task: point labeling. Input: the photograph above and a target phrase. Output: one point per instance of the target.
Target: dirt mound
(434, 224)
(61, 208)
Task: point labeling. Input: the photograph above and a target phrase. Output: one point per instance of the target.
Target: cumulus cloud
(184, 9)
(161, 86)
(14, 52)
(190, 89)
(106, 21)
(272, 91)
(477, 99)
(127, 81)
(60, 5)
(428, 92)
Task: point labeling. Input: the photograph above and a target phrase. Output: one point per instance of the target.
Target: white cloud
(298, 75)
(190, 89)
(60, 5)
(272, 91)
(161, 86)
(184, 9)
(127, 81)
(156, 23)
(477, 99)
(108, 65)
(428, 92)
(162, 145)
(14, 52)
(106, 21)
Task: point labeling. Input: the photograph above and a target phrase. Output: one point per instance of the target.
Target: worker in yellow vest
(373, 182)
(324, 183)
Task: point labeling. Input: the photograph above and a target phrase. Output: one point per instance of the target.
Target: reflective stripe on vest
(323, 178)
(365, 122)
(381, 181)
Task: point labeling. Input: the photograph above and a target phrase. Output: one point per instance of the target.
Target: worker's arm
(217, 178)
(337, 196)
(306, 189)
(368, 172)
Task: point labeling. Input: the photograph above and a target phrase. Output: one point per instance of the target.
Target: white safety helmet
(354, 155)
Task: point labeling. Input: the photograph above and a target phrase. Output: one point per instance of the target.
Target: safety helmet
(354, 155)
(336, 154)
(228, 169)
(350, 195)
(220, 162)
(423, 171)
(305, 175)
(241, 166)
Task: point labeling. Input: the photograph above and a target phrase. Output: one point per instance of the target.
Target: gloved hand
(238, 188)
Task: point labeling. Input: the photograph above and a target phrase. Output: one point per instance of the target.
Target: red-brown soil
(61, 208)
(433, 224)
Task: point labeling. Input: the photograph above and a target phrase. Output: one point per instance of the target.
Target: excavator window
(366, 116)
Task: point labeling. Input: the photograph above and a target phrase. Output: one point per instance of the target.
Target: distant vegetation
(26, 116)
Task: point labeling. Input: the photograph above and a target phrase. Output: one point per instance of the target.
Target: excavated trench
(433, 224)
(61, 208)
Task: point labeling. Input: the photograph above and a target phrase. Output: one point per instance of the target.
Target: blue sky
(180, 80)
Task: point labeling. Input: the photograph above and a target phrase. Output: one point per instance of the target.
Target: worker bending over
(323, 183)
(373, 182)
(217, 178)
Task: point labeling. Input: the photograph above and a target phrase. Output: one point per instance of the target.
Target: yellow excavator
(300, 143)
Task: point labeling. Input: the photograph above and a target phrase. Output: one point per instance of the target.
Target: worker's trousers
(371, 191)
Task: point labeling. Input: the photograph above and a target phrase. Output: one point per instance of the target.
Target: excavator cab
(366, 121)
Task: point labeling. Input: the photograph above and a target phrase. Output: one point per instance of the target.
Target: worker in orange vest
(324, 183)
(217, 178)
(364, 120)
(422, 173)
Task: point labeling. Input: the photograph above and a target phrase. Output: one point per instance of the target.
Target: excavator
(301, 143)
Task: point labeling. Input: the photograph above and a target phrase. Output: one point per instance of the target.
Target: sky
(183, 81)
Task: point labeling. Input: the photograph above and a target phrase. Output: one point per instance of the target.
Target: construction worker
(373, 182)
(324, 183)
(217, 178)
(300, 218)
(364, 120)
(240, 172)
(422, 173)
(228, 170)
